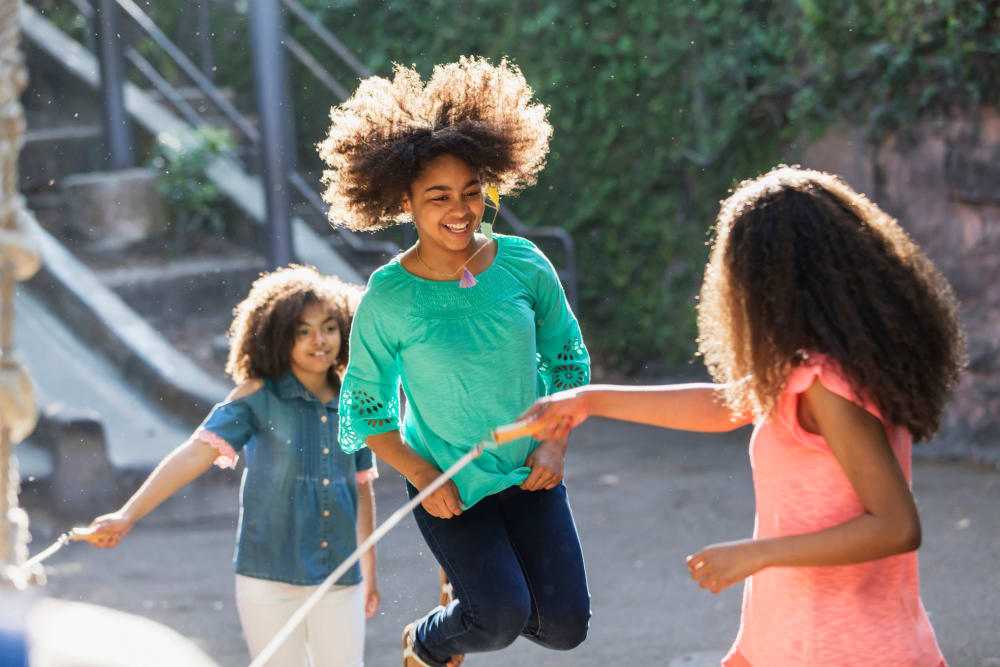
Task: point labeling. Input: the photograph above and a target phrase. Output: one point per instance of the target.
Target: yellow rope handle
(520, 429)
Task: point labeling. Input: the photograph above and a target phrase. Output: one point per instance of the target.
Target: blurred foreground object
(19, 260)
(54, 633)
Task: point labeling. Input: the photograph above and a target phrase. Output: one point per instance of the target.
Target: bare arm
(187, 462)
(366, 526)
(389, 447)
(685, 407)
(689, 407)
(889, 525)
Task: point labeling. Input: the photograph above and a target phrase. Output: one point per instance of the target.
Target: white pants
(333, 634)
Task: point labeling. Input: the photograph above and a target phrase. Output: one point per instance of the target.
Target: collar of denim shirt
(289, 387)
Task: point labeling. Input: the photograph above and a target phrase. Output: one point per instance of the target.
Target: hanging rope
(19, 260)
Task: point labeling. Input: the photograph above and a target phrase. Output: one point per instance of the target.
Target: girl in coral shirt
(826, 327)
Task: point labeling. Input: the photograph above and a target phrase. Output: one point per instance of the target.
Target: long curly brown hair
(386, 133)
(262, 333)
(802, 263)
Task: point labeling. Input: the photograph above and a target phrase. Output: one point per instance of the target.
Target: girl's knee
(566, 631)
(501, 623)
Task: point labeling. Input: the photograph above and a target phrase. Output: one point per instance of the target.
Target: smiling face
(446, 202)
(316, 342)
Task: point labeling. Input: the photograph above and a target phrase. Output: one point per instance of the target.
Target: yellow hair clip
(492, 197)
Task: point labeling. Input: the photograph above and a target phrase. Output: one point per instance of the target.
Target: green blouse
(469, 360)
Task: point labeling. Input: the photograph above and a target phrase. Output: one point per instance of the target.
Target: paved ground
(643, 499)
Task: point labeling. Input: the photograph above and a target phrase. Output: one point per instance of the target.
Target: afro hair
(386, 133)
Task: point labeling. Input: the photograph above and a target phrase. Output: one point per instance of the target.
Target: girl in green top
(474, 326)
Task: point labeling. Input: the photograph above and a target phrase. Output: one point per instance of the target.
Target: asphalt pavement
(643, 499)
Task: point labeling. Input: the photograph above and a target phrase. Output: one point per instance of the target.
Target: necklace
(468, 280)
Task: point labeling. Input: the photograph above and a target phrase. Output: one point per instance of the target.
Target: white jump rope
(497, 437)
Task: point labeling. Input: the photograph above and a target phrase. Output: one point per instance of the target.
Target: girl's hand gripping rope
(445, 502)
(558, 414)
(107, 530)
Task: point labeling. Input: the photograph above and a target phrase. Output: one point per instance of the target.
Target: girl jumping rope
(304, 504)
(475, 326)
(827, 328)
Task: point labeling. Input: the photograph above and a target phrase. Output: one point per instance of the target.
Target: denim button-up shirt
(298, 496)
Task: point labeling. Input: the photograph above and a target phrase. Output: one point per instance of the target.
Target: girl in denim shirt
(304, 504)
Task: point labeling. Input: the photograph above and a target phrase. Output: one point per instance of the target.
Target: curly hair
(802, 263)
(386, 133)
(262, 333)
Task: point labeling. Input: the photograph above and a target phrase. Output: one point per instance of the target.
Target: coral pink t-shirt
(863, 615)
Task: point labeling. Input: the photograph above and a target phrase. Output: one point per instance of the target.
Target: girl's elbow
(915, 537)
(909, 536)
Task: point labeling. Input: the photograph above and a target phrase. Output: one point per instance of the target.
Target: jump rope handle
(520, 429)
(81, 534)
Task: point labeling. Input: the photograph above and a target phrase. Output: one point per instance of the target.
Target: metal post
(205, 40)
(117, 128)
(269, 70)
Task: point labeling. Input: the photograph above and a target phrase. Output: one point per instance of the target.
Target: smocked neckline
(397, 260)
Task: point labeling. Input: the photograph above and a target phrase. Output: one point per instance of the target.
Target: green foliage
(193, 203)
(658, 108)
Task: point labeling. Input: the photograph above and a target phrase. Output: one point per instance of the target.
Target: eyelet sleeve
(369, 397)
(563, 360)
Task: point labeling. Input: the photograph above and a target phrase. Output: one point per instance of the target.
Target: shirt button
(323, 419)
(326, 450)
(323, 544)
(326, 512)
(326, 482)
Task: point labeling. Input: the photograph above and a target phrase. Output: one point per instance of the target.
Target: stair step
(178, 269)
(64, 133)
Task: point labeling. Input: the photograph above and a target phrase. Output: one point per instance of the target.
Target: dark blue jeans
(515, 563)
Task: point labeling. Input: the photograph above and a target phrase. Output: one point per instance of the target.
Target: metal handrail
(328, 38)
(355, 241)
(211, 91)
(323, 75)
(163, 87)
(190, 70)
(352, 239)
(568, 274)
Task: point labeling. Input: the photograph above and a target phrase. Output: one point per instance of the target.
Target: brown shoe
(410, 657)
(447, 595)
(447, 592)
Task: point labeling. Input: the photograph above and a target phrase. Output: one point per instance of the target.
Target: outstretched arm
(889, 524)
(188, 461)
(179, 467)
(688, 407)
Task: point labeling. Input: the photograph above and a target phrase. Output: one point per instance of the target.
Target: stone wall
(941, 179)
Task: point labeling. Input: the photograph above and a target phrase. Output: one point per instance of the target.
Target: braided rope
(18, 261)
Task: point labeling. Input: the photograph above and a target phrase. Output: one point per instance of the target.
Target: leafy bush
(658, 108)
(192, 202)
